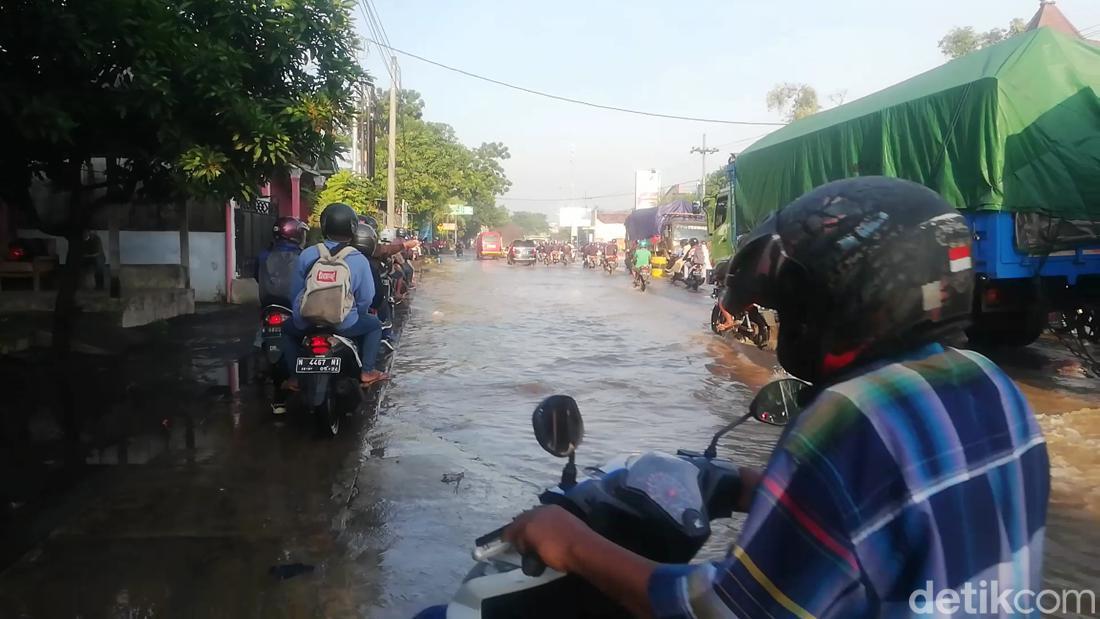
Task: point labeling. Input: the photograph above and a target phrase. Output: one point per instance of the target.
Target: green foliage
(198, 97)
(532, 224)
(794, 101)
(355, 190)
(487, 216)
(433, 167)
(960, 41)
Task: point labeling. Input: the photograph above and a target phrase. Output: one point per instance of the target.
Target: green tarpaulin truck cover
(1013, 127)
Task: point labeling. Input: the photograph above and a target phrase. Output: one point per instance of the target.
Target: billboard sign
(448, 226)
(647, 188)
(461, 209)
(574, 217)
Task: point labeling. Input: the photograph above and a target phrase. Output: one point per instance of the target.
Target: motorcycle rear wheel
(327, 417)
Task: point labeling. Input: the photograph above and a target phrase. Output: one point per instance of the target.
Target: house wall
(207, 260)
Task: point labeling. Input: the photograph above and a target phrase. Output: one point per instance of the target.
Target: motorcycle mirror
(777, 402)
(558, 425)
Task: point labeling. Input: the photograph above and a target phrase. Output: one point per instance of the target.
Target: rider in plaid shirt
(915, 468)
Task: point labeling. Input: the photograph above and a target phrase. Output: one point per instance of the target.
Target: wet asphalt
(209, 507)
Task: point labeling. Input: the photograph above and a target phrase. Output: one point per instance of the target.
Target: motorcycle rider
(274, 272)
(913, 467)
(338, 223)
(366, 241)
(641, 259)
(610, 251)
(275, 265)
(697, 254)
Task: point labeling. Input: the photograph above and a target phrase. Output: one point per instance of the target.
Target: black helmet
(858, 269)
(369, 220)
(694, 241)
(338, 220)
(290, 228)
(366, 239)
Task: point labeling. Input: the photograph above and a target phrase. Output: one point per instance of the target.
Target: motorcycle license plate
(317, 365)
(273, 331)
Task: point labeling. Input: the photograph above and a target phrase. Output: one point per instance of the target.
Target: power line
(608, 195)
(540, 93)
(369, 22)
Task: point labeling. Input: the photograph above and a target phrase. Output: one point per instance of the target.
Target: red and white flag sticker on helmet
(959, 258)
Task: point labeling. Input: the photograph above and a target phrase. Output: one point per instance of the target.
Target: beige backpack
(328, 297)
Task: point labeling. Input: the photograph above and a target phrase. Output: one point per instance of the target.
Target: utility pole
(391, 179)
(704, 151)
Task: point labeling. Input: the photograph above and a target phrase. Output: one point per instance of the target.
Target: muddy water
(487, 341)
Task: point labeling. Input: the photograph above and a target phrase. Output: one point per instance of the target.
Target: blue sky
(714, 59)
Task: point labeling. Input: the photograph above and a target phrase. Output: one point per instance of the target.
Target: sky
(701, 58)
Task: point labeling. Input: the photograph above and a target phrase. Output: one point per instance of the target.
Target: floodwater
(212, 509)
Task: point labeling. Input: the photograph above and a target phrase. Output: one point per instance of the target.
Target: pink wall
(280, 193)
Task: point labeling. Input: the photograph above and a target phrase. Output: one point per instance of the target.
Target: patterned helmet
(858, 269)
(290, 228)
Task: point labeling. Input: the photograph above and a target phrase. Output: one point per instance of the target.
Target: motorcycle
(328, 376)
(611, 263)
(458, 251)
(590, 261)
(656, 504)
(271, 336)
(695, 277)
(555, 256)
(641, 277)
(750, 325)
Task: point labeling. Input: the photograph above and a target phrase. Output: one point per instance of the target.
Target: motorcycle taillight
(274, 319)
(319, 345)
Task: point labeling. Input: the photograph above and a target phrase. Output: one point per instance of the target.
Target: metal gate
(253, 222)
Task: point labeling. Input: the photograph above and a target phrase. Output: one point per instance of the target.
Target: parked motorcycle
(695, 277)
(656, 504)
(273, 317)
(328, 376)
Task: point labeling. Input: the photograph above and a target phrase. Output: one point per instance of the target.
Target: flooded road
(487, 341)
(210, 508)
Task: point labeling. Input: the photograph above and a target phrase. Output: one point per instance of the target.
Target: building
(608, 225)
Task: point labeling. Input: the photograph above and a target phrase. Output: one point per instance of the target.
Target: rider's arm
(794, 557)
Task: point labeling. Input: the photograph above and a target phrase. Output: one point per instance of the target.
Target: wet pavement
(380, 522)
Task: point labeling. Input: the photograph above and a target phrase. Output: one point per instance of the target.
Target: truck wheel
(1016, 329)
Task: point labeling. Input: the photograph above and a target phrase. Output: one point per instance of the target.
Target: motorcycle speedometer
(672, 484)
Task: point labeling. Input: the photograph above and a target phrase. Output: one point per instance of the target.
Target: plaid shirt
(929, 469)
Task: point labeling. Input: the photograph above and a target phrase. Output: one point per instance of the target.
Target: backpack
(328, 297)
(275, 274)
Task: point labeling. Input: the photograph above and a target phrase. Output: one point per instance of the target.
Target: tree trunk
(64, 323)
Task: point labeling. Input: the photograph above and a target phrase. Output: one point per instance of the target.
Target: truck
(1010, 135)
(671, 223)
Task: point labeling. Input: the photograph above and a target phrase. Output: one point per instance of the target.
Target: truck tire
(1015, 329)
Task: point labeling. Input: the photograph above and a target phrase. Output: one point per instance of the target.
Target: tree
(162, 100)
(532, 224)
(960, 41)
(486, 216)
(434, 169)
(794, 101)
(355, 190)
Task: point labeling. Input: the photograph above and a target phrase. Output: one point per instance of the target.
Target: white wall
(163, 247)
(607, 232)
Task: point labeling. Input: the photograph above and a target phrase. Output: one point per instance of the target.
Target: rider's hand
(551, 532)
(412, 244)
